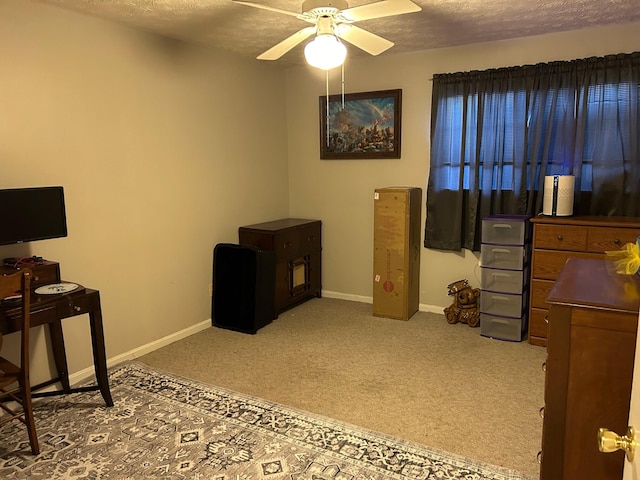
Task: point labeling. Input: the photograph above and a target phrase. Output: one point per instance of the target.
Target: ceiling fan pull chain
(326, 72)
(343, 86)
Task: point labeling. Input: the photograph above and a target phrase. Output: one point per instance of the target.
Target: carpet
(164, 426)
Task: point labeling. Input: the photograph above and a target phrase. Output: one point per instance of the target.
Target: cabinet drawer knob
(77, 308)
(560, 238)
(539, 456)
(617, 241)
(544, 366)
(541, 412)
(546, 319)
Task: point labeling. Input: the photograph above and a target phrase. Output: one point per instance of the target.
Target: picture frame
(369, 126)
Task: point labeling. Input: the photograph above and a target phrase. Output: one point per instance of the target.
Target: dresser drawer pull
(560, 238)
(287, 245)
(77, 308)
(544, 366)
(539, 456)
(546, 319)
(617, 241)
(541, 412)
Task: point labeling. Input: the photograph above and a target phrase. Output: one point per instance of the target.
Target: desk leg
(59, 353)
(99, 355)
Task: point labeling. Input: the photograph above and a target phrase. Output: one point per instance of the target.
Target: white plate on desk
(55, 288)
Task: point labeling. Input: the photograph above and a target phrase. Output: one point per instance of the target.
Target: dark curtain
(496, 134)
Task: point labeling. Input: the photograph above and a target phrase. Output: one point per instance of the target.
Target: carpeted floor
(164, 426)
(423, 380)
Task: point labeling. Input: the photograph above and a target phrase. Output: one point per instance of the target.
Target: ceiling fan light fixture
(325, 52)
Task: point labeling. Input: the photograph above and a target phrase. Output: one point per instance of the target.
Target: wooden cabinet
(593, 319)
(297, 246)
(555, 239)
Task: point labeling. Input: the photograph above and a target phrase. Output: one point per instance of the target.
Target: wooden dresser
(593, 319)
(297, 246)
(555, 239)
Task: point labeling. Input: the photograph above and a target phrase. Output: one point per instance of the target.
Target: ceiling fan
(333, 17)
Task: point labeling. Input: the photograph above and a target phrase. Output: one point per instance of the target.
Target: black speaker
(243, 287)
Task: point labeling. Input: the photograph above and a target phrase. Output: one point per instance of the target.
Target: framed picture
(367, 127)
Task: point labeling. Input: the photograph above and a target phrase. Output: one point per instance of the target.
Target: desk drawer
(77, 305)
(45, 275)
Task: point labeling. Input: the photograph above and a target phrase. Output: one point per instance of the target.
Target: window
(496, 134)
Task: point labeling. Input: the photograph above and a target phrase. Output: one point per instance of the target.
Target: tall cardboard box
(396, 251)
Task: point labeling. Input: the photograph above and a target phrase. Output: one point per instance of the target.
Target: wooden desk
(51, 310)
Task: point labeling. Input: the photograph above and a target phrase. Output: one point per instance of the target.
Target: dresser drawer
(286, 244)
(603, 239)
(538, 323)
(561, 237)
(548, 263)
(309, 237)
(539, 292)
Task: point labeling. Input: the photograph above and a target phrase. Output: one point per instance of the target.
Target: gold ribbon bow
(627, 260)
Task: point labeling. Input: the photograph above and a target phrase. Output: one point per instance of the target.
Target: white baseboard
(89, 372)
(357, 298)
(347, 296)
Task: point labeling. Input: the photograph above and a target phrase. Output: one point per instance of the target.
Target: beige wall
(340, 192)
(164, 149)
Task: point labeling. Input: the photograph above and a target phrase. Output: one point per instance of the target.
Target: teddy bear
(465, 307)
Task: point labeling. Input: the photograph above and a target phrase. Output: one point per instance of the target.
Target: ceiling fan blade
(264, 7)
(385, 8)
(287, 44)
(362, 39)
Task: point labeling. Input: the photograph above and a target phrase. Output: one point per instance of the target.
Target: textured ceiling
(249, 31)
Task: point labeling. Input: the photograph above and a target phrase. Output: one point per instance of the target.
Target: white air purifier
(558, 195)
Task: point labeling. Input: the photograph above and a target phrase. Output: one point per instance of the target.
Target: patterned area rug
(164, 426)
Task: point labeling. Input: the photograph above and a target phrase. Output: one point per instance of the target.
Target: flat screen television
(29, 214)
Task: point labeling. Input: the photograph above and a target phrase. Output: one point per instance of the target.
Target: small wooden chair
(14, 380)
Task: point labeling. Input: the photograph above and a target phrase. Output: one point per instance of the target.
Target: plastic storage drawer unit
(504, 258)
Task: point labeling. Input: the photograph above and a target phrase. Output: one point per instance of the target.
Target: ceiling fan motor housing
(323, 8)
